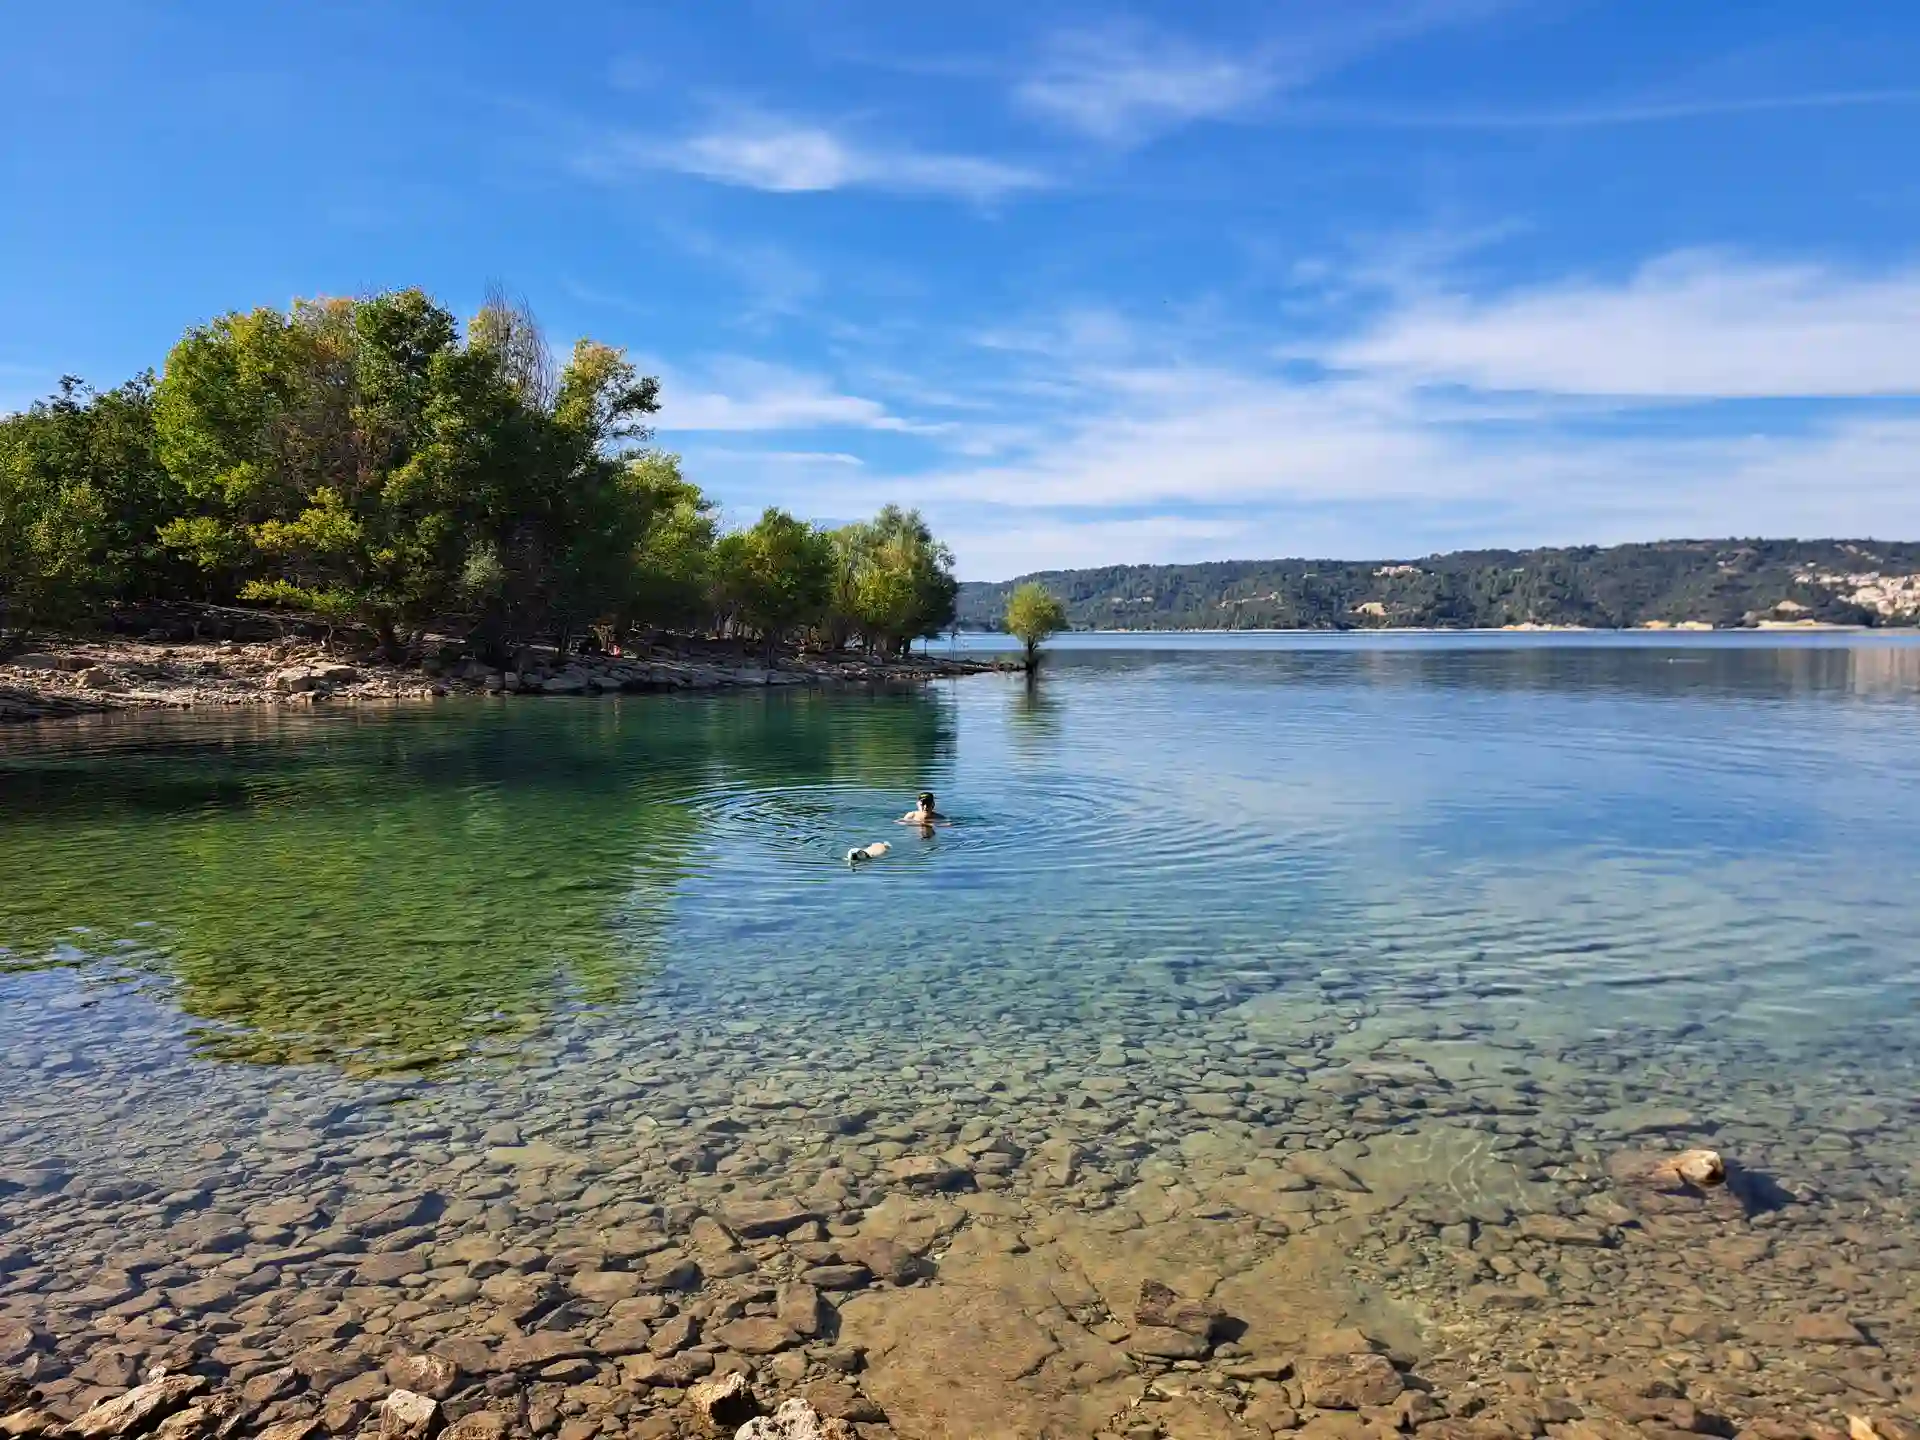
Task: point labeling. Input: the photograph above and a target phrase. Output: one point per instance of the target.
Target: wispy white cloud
(1648, 111)
(749, 395)
(764, 152)
(1694, 324)
(1123, 82)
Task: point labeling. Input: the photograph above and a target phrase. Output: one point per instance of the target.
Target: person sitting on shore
(924, 814)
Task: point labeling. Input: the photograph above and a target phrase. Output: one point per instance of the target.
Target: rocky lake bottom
(940, 1159)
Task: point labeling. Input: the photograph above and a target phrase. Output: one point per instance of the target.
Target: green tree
(310, 437)
(674, 562)
(82, 498)
(893, 582)
(1034, 613)
(775, 577)
(564, 513)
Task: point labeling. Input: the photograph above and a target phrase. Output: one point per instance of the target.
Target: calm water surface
(1645, 873)
(1726, 834)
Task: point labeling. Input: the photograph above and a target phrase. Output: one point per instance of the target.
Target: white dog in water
(867, 852)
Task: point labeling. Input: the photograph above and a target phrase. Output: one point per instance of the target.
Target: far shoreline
(1769, 628)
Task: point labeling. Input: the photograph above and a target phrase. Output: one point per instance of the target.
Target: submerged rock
(1347, 1382)
(1160, 1307)
(1689, 1170)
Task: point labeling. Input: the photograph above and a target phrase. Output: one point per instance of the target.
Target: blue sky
(1087, 284)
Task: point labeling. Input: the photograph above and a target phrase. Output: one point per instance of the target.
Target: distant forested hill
(1719, 582)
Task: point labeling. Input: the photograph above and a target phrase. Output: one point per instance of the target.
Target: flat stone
(762, 1219)
(928, 1172)
(669, 1271)
(626, 1337)
(605, 1286)
(478, 1425)
(382, 1214)
(209, 1294)
(542, 1347)
(387, 1268)
(1166, 1343)
(1827, 1330)
(1324, 1171)
(891, 1261)
(837, 1400)
(674, 1371)
(672, 1336)
(434, 1376)
(1559, 1230)
(800, 1308)
(1346, 1382)
(755, 1335)
(1160, 1307)
(270, 1385)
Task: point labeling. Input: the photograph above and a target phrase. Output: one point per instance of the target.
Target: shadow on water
(394, 888)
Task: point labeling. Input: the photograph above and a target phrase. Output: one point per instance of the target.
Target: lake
(1328, 979)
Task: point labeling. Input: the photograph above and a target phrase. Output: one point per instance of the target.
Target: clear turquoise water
(1469, 914)
(1595, 833)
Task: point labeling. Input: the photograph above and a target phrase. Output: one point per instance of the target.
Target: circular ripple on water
(1049, 823)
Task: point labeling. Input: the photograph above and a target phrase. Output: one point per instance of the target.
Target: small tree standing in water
(1033, 614)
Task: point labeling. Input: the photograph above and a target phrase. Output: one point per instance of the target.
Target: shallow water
(1469, 914)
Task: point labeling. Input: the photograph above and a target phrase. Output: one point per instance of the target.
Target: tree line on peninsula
(372, 462)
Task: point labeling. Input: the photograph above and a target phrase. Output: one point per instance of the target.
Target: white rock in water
(795, 1420)
(1702, 1169)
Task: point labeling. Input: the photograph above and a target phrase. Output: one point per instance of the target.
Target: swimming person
(923, 814)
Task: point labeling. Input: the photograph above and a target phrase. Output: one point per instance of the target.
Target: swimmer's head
(926, 799)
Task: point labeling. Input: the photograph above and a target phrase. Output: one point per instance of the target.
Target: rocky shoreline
(1085, 1247)
(75, 677)
(697, 1339)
